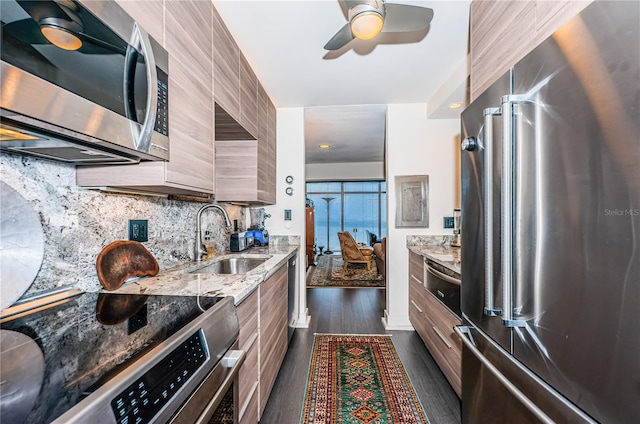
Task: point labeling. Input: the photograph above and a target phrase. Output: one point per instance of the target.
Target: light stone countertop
(179, 281)
(446, 256)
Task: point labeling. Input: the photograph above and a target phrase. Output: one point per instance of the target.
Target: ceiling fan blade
(406, 18)
(340, 39)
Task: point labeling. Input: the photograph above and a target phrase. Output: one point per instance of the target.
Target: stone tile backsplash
(79, 223)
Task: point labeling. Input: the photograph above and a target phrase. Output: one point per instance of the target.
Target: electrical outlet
(139, 229)
(448, 222)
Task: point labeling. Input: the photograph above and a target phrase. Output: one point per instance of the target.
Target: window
(352, 205)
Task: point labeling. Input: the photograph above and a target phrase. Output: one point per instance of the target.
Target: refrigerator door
(481, 292)
(576, 228)
(499, 390)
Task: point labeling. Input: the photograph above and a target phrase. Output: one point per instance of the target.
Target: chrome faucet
(200, 248)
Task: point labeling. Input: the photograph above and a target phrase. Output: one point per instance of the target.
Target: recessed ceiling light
(455, 105)
(325, 146)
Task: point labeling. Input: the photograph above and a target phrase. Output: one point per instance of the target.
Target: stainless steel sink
(230, 266)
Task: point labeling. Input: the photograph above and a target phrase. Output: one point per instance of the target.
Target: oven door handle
(234, 360)
(443, 276)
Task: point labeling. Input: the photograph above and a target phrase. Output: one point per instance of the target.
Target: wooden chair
(351, 253)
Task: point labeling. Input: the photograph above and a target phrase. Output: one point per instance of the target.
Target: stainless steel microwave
(81, 83)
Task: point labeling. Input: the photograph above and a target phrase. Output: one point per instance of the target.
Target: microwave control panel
(162, 115)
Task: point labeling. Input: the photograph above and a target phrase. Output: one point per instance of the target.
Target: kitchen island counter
(183, 281)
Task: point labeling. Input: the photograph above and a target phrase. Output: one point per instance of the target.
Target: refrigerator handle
(507, 210)
(464, 332)
(489, 308)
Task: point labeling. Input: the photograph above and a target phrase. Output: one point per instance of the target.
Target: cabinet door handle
(443, 276)
(416, 280)
(444, 340)
(415, 305)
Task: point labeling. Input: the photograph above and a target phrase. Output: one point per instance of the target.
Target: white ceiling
(283, 41)
(355, 133)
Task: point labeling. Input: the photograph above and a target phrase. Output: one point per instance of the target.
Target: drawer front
(416, 309)
(416, 268)
(250, 414)
(248, 319)
(248, 374)
(444, 341)
(444, 320)
(434, 323)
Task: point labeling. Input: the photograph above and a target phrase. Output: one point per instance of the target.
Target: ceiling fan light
(366, 25)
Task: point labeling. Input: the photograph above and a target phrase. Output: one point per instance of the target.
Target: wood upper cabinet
(149, 14)
(245, 131)
(226, 68)
(248, 97)
(271, 159)
(263, 112)
(190, 169)
(503, 32)
(191, 118)
(246, 165)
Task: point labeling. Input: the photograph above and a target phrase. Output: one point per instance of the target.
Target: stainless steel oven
(444, 284)
(185, 379)
(121, 358)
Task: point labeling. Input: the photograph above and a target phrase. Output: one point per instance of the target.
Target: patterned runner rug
(356, 379)
(329, 272)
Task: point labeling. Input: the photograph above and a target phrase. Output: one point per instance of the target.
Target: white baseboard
(400, 323)
(303, 319)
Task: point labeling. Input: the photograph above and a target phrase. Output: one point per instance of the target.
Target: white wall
(290, 161)
(417, 146)
(345, 171)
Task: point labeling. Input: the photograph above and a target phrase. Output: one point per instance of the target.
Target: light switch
(287, 214)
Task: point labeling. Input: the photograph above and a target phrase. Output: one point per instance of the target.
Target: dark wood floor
(356, 311)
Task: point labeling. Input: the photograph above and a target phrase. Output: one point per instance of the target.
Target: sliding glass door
(358, 207)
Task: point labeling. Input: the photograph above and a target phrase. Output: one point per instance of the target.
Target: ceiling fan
(367, 18)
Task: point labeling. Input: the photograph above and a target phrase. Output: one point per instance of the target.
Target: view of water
(360, 211)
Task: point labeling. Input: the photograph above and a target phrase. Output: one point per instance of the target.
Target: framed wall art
(412, 201)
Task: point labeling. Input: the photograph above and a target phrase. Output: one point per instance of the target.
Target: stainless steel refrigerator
(551, 230)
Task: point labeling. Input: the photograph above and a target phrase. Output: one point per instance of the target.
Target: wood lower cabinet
(434, 323)
(263, 336)
(249, 341)
(273, 331)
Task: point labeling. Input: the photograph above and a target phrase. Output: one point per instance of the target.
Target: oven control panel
(144, 398)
